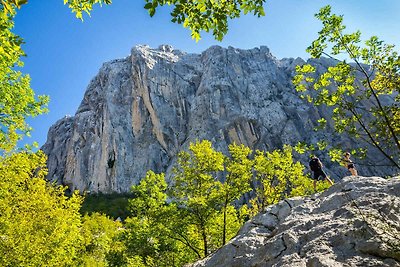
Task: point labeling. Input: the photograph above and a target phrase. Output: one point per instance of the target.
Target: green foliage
(100, 239)
(80, 6)
(10, 5)
(239, 171)
(149, 195)
(197, 15)
(151, 241)
(195, 183)
(364, 94)
(207, 15)
(279, 177)
(228, 221)
(200, 210)
(38, 224)
(199, 216)
(17, 99)
(114, 205)
(149, 232)
(303, 147)
(197, 190)
(168, 227)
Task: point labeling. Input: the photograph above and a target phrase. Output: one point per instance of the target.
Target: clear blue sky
(64, 54)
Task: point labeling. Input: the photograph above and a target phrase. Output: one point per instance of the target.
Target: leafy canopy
(84, 6)
(17, 99)
(101, 243)
(239, 172)
(196, 15)
(174, 225)
(195, 188)
(38, 224)
(151, 236)
(278, 177)
(364, 93)
(203, 206)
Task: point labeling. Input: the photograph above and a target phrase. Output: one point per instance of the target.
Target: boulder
(353, 223)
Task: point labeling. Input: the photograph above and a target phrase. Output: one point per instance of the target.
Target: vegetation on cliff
(206, 202)
(363, 88)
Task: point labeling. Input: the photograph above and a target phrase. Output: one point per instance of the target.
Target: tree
(205, 186)
(363, 93)
(195, 188)
(17, 99)
(239, 169)
(143, 234)
(100, 240)
(151, 232)
(197, 15)
(279, 177)
(199, 211)
(38, 224)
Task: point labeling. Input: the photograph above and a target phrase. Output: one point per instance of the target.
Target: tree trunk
(203, 232)
(224, 226)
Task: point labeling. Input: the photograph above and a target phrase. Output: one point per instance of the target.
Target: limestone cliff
(353, 223)
(138, 112)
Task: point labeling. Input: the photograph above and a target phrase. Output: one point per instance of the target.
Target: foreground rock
(354, 223)
(139, 112)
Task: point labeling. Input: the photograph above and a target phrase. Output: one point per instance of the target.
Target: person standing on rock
(316, 168)
(349, 164)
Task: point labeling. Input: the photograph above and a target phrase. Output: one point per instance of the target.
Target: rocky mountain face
(140, 111)
(353, 223)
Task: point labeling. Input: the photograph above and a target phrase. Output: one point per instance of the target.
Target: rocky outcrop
(353, 223)
(139, 112)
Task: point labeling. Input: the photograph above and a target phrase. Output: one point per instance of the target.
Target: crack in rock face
(139, 112)
(341, 227)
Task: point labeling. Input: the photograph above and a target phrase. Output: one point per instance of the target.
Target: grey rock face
(353, 223)
(139, 112)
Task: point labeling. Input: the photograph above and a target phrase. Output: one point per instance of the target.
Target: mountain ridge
(139, 112)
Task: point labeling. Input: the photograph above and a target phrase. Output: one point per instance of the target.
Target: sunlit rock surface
(354, 223)
(138, 112)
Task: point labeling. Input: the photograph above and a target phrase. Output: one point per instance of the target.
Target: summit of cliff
(138, 112)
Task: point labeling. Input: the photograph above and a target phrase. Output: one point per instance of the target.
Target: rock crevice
(147, 107)
(360, 231)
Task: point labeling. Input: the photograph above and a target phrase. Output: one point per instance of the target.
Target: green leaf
(148, 5)
(152, 11)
